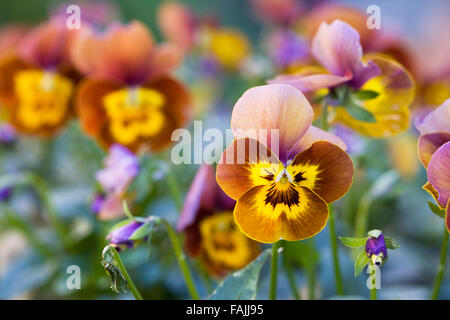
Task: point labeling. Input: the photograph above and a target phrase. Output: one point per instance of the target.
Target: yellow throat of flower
(43, 98)
(223, 243)
(134, 113)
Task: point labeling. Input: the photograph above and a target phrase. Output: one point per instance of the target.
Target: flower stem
(181, 258)
(324, 117)
(124, 271)
(373, 291)
(311, 273)
(291, 279)
(334, 249)
(274, 271)
(174, 189)
(441, 267)
(20, 224)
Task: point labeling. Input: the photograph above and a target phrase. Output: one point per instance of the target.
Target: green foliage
(242, 284)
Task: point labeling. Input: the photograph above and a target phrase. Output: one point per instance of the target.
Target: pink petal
(310, 82)
(337, 47)
(437, 120)
(281, 110)
(439, 173)
(200, 196)
(312, 135)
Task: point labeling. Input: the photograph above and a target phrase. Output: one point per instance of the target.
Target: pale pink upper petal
(437, 120)
(281, 110)
(312, 135)
(439, 173)
(310, 82)
(337, 47)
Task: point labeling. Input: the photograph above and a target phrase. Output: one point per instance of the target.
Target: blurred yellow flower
(230, 47)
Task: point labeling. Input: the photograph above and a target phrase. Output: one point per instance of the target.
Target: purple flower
(121, 236)
(97, 203)
(5, 193)
(376, 249)
(7, 134)
(121, 166)
(287, 48)
(337, 48)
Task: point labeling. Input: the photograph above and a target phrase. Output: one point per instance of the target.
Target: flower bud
(121, 236)
(376, 249)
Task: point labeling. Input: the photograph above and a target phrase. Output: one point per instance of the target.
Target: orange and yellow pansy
(128, 96)
(281, 194)
(37, 82)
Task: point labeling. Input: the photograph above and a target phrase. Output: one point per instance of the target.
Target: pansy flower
(370, 94)
(128, 96)
(210, 231)
(36, 82)
(281, 170)
(121, 166)
(387, 40)
(434, 153)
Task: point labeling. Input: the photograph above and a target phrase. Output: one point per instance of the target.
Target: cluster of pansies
(300, 127)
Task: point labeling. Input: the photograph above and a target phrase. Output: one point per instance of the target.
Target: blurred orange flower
(37, 80)
(128, 96)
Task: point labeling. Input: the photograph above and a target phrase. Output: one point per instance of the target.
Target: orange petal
(246, 163)
(89, 104)
(325, 169)
(165, 57)
(178, 110)
(122, 53)
(432, 191)
(281, 110)
(269, 222)
(9, 65)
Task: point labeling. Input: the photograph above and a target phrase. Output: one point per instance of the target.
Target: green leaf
(361, 261)
(358, 112)
(242, 284)
(375, 233)
(390, 243)
(436, 210)
(126, 210)
(365, 94)
(341, 93)
(143, 231)
(353, 242)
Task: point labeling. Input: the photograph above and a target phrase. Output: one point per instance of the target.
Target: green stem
(42, 190)
(334, 249)
(124, 271)
(441, 267)
(311, 273)
(20, 224)
(291, 279)
(362, 214)
(274, 271)
(373, 291)
(174, 189)
(181, 258)
(324, 117)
